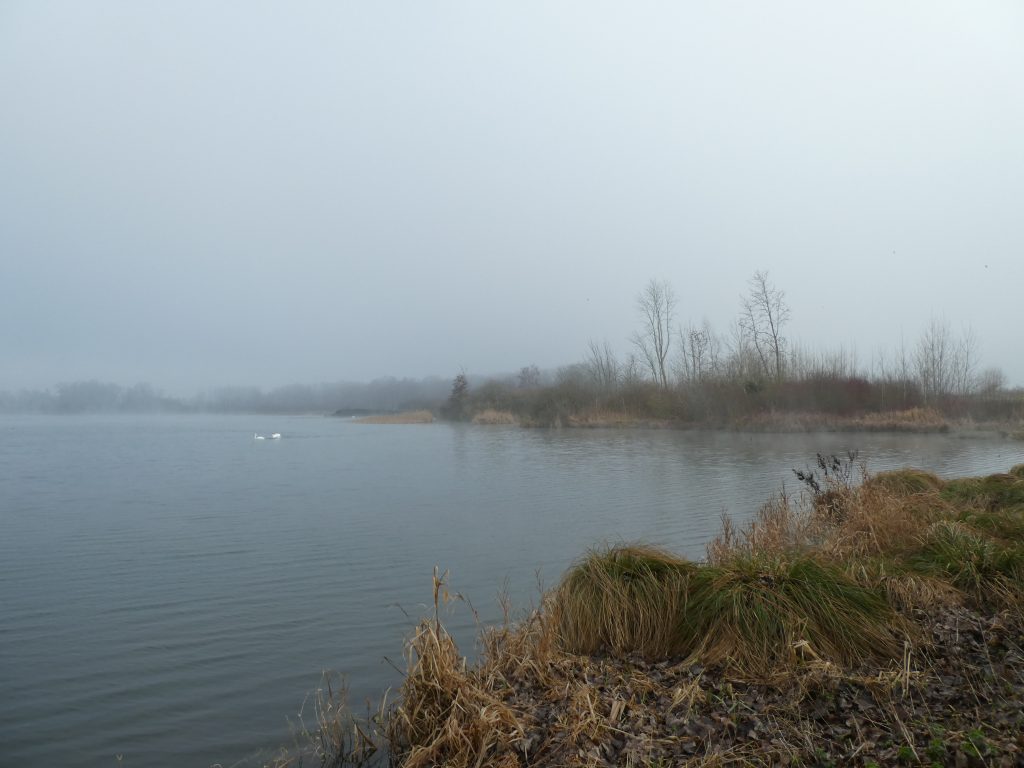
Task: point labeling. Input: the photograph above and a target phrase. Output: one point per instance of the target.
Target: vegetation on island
(867, 620)
(752, 377)
(404, 417)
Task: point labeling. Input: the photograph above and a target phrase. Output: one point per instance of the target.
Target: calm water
(171, 589)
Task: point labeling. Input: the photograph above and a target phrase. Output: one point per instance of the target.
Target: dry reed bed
(492, 417)
(405, 417)
(923, 420)
(866, 624)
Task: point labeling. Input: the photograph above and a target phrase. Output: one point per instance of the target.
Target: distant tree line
(380, 395)
(684, 372)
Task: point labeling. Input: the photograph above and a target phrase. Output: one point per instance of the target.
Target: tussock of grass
(623, 600)
(970, 561)
(761, 615)
(906, 481)
(1017, 470)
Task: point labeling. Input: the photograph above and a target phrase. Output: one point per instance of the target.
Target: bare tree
(742, 362)
(764, 314)
(603, 365)
(991, 382)
(657, 304)
(700, 351)
(529, 377)
(630, 374)
(945, 365)
(966, 362)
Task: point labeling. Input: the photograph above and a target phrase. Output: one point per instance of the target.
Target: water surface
(171, 589)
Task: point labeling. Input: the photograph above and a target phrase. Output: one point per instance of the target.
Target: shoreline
(912, 422)
(892, 634)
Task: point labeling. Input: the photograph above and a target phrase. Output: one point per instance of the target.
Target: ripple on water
(173, 577)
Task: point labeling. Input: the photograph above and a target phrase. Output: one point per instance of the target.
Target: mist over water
(173, 588)
(198, 195)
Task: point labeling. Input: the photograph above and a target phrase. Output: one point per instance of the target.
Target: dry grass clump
(761, 615)
(492, 417)
(880, 522)
(449, 713)
(1017, 470)
(405, 417)
(624, 600)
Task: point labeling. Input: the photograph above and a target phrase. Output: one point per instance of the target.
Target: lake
(172, 589)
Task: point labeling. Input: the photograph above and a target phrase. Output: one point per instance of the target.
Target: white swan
(256, 436)
(276, 436)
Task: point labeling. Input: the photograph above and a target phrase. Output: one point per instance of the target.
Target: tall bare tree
(603, 365)
(764, 314)
(945, 365)
(657, 306)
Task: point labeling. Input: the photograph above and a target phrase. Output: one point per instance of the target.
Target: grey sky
(196, 194)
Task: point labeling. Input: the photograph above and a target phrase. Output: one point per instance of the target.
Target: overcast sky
(195, 194)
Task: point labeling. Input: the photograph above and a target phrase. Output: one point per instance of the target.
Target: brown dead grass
(598, 418)
(493, 417)
(405, 417)
(451, 714)
(910, 420)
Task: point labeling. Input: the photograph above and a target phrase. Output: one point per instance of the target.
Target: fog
(199, 195)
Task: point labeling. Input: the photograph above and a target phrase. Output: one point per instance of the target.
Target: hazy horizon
(201, 195)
